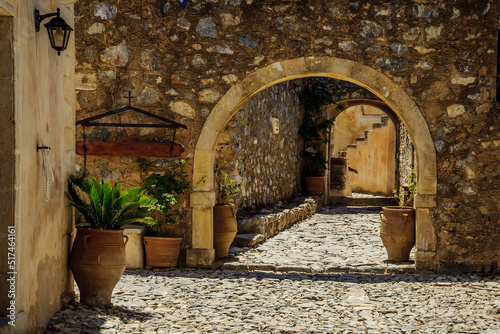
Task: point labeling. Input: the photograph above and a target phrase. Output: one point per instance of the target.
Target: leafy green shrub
(105, 206)
(226, 188)
(168, 189)
(407, 196)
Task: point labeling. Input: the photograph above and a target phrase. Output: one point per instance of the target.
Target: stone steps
(362, 201)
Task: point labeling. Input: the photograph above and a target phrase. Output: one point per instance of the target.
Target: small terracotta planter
(225, 229)
(162, 252)
(97, 262)
(397, 231)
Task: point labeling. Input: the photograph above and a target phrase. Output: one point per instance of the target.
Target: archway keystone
(203, 198)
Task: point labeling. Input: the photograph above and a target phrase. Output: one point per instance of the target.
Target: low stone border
(367, 269)
(256, 229)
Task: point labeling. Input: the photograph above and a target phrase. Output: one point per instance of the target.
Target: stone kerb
(258, 228)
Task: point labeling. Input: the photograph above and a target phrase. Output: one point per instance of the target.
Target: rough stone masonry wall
(441, 53)
(264, 165)
(406, 156)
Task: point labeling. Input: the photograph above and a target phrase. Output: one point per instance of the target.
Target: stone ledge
(391, 269)
(268, 225)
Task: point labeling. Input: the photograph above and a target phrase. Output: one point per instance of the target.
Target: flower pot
(225, 229)
(97, 262)
(314, 185)
(397, 231)
(162, 252)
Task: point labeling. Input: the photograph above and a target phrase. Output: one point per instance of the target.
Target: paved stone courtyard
(324, 275)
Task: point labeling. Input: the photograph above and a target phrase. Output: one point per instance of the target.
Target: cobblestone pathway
(330, 278)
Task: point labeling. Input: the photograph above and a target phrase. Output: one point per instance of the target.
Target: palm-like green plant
(105, 206)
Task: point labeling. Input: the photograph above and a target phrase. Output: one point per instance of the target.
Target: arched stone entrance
(203, 199)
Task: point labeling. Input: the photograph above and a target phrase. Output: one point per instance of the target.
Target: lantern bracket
(39, 18)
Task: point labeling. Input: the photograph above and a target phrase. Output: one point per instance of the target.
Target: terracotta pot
(397, 231)
(162, 252)
(314, 185)
(225, 229)
(97, 262)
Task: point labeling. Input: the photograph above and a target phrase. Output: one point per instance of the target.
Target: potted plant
(98, 255)
(168, 189)
(315, 130)
(225, 225)
(397, 228)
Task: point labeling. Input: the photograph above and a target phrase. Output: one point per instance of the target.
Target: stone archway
(203, 199)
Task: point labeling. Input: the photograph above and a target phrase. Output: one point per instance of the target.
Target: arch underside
(391, 95)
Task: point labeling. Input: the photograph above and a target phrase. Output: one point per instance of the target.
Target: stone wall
(265, 165)
(406, 156)
(442, 54)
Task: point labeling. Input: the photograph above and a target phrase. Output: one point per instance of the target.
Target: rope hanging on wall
(47, 175)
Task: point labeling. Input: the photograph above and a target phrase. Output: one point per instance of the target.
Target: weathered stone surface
(148, 96)
(209, 95)
(206, 28)
(398, 49)
(247, 239)
(455, 110)
(390, 64)
(370, 29)
(459, 80)
(105, 11)
(182, 108)
(116, 55)
(249, 42)
(86, 81)
(96, 28)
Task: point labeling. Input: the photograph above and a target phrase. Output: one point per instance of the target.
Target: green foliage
(167, 190)
(315, 97)
(226, 188)
(315, 129)
(105, 207)
(408, 195)
(314, 162)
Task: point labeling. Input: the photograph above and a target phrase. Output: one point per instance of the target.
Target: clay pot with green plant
(168, 189)
(315, 130)
(397, 228)
(224, 212)
(98, 255)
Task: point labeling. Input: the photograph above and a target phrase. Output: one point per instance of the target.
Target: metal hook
(43, 147)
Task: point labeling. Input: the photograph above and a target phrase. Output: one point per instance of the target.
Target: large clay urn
(225, 229)
(97, 262)
(162, 252)
(397, 231)
(314, 185)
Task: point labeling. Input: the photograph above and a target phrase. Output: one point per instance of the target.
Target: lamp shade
(59, 33)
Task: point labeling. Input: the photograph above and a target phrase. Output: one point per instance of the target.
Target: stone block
(247, 239)
(200, 258)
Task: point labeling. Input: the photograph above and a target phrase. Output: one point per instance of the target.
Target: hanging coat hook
(43, 147)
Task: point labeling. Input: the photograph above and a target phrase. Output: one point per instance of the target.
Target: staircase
(340, 190)
(383, 122)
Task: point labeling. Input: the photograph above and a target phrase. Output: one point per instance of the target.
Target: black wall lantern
(57, 28)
